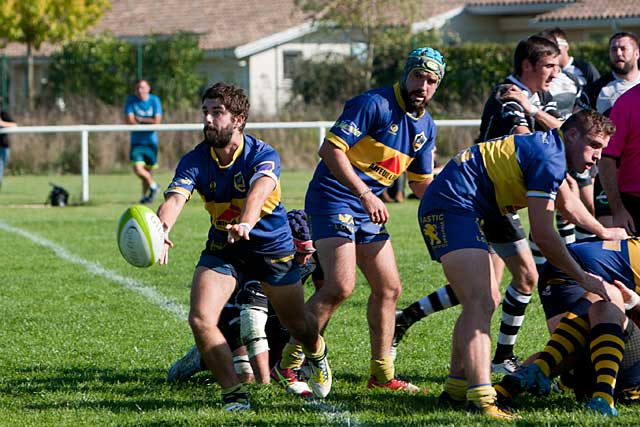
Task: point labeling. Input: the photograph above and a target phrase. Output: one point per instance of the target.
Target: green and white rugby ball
(140, 236)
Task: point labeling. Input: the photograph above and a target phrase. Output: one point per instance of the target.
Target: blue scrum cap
(424, 58)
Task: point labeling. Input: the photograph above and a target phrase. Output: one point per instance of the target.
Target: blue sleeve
(265, 163)
(157, 106)
(186, 177)
(356, 121)
(545, 166)
(128, 106)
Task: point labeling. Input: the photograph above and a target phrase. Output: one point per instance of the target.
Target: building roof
(244, 27)
(594, 10)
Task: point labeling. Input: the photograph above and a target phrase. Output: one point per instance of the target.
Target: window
(290, 59)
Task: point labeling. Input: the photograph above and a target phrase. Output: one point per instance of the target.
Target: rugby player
(479, 186)
(591, 336)
(380, 134)
(237, 175)
(249, 323)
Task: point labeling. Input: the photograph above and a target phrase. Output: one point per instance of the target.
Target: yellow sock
(292, 356)
(320, 353)
(482, 395)
(456, 387)
(383, 369)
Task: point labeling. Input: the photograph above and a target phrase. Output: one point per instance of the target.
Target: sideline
(332, 413)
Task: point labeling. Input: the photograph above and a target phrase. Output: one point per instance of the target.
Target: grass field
(86, 338)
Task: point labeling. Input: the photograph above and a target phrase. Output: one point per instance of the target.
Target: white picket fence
(85, 130)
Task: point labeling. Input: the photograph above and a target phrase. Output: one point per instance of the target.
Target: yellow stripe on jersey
(634, 260)
(272, 201)
(337, 141)
(499, 158)
(417, 177)
(380, 162)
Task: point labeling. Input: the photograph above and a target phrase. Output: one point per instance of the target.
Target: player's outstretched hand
(375, 207)
(237, 232)
(164, 258)
(595, 285)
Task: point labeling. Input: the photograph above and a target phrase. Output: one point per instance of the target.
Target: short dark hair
(533, 49)
(622, 34)
(586, 121)
(232, 97)
(555, 32)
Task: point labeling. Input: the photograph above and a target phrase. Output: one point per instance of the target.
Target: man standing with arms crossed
(238, 176)
(144, 108)
(379, 135)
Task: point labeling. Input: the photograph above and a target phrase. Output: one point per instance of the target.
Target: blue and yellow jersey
(609, 259)
(498, 176)
(224, 190)
(381, 140)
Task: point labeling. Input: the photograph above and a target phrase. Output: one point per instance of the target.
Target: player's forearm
(546, 121)
(553, 248)
(170, 209)
(572, 209)
(608, 171)
(340, 166)
(258, 193)
(419, 187)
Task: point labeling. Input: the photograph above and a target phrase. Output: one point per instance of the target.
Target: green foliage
(473, 69)
(101, 66)
(35, 21)
(105, 67)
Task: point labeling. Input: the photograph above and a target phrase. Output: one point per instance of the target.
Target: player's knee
(199, 323)
(389, 293)
(605, 312)
(335, 295)
(525, 281)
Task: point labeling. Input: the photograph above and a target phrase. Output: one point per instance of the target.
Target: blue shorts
(355, 228)
(445, 232)
(559, 294)
(147, 154)
(278, 269)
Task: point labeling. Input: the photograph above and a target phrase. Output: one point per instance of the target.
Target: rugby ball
(140, 236)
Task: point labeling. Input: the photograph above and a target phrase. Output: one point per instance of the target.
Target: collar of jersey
(400, 101)
(235, 155)
(521, 85)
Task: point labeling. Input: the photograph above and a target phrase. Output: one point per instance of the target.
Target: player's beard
(622, 70)
(414, 105)
(218, 138)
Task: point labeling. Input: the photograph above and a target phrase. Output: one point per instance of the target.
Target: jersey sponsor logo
(393, 130)
(238, 182)
(419, 141)
(382, 168)
(349, 128)
(228, 216)
(183, 181)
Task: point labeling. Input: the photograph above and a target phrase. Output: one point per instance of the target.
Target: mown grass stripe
(149, 293)
(333, 414)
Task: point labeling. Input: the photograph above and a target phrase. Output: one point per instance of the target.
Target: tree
(33, 22)
(376, 23)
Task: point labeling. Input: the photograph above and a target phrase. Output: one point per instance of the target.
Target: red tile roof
(594, 9)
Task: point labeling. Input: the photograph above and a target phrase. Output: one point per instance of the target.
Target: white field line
(333, 414)
(149, 293)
